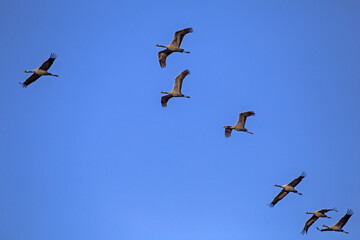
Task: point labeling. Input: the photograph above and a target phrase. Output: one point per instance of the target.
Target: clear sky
(93, 155)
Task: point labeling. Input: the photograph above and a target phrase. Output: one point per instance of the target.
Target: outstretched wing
(228, 132)
(278, 197)
(243, 116)
(179, 35)
(308, 223)
(162, 55)
(179, 79)
(325, 210)
(30, 80)
(297, 180)
(165, 99)
(345, 218)
(324, 229)
(47, 64)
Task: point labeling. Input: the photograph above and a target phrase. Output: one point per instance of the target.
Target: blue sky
(93, 155)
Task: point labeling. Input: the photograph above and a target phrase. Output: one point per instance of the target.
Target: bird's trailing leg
(299, 193)
(186, 96)
(54, 75)
(249, 132)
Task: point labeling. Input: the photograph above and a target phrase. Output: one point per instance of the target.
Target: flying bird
(41, 71)
(239, 126)
(174, 46)
(287, 188)
(340, 224)
(315, 216)
(176, 92)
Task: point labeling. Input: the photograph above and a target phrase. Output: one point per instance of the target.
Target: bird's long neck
(29, 71)
(164, 92)
(309, 213)
(277, 185)
(158, 45)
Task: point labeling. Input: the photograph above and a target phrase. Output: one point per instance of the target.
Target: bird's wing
(297, 180)
(278, 197)
(325, 210)
(324, 229)
(243, 116)
(228, 132)
(47, 64)
(165, 99)
(179, 35)
(162, 55)
(344, 219)
(179, 79)
(308, 223)
(30, 80)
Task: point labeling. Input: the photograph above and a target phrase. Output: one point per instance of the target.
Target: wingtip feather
(350, 212)
(53, 55)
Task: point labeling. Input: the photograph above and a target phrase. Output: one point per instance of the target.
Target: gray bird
(339, 225)
(239, 126)
(41, 71)
(174, 46)
(315, 216)
(287, 188)
(176, 92)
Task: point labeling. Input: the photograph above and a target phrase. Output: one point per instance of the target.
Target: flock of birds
(174, 46)
(290, 187)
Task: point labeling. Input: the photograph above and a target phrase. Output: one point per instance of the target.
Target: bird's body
(176, 92)
(240, 125)
(315, 216)
(287, 188)
(340, 224)
(174, 46)
(41, 71)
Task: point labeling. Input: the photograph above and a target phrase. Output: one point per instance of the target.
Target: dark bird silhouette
(339, 225)
(287, 188)
(176, 92)
(41, 71)
(239, 126)
(314, 217)
(174, 46)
